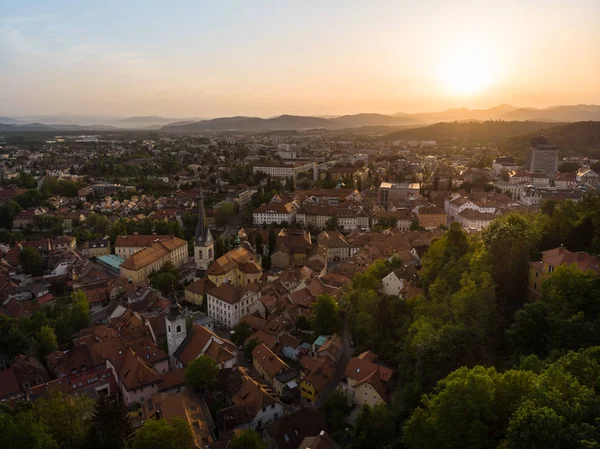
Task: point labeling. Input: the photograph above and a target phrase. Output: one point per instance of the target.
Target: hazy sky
(216, 58)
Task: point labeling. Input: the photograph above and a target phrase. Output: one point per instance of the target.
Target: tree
(258, 243)
(272, 241)
(24, 431)
(110, 426)
(65, 417)
(374, 429)
(31, 261)
(249, 348)
(509, 244)
(224, 214)
(470, 408)
(241, 332)
(45, 341)
(247, 439)
(80, 311)
(562, 411)
(13, 339)
(326, 317)
(414, 224)
(201, 374)
(336, 409)
(332, 224)
(162, 434)
(565, 318)
(165, 282)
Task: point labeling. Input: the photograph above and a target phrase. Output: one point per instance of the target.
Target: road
(347, 352)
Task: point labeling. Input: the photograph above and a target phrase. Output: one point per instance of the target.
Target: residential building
(274, 212)
(504, 163)
(267, 364)
(335, 246)
(227, 304)
(139, 265)
(196, 291)
(367, 382)
(285, 170)
(126, 245)
(588, 176)
(552, 258)
(288, 432)
(255, 405)
(542, 156)
(396, 193)
(97, 247)
(430, 217)
(202, 341)
(317, 379)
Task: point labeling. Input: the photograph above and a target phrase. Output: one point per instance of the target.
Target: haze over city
(209, 59)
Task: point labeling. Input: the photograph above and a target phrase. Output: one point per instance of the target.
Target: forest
(478, 365)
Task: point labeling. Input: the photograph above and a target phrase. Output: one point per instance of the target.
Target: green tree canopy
(110, 426)
(326, 317)
(247, 439)
(31, 261)
(162, 434)
(201, 373)
(45, 341)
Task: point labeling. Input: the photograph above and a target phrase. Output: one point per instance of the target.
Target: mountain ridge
(558, 113)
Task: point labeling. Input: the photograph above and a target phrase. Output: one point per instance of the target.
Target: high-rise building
(542, 156)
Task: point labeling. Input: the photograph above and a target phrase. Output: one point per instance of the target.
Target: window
(178, 328)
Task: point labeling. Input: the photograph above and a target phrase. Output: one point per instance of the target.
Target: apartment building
(139, 265)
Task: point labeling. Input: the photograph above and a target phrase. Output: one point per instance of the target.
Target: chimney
(580, 255)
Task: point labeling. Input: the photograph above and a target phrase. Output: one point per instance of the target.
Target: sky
(263, 58)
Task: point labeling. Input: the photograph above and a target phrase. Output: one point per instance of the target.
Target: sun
(466, 69)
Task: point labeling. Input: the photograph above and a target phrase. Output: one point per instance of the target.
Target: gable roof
(271, 364)
(289, 431)
(197, 340)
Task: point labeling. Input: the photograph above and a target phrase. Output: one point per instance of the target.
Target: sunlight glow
(467, 69)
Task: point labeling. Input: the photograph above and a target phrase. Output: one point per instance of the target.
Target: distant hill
(288, 122)
(373, 120)
(243, 123)
(8, 121)
(153, 121)
(37, 127)
(582, 138)
(574, 113)
(578, 113)
(489, 131)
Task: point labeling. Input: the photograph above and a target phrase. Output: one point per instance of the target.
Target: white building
(228, 304)
(588, 176)
(393, 283)
(274, 213)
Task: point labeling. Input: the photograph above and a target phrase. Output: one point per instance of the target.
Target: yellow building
(96, 247)
(138, 266)
(196, 291)
(539, 270)
(315, 382)
(239, 267)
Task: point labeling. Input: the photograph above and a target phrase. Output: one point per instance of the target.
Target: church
(204, 245)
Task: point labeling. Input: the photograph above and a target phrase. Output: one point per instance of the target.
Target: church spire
(203, 235)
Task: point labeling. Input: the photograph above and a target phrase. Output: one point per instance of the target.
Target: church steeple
(203, 243)
(203, 235)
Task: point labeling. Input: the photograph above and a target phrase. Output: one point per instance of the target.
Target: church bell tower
(204, 245)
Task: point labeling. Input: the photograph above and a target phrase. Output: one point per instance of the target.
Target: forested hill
(582, 138)
(489, 131)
